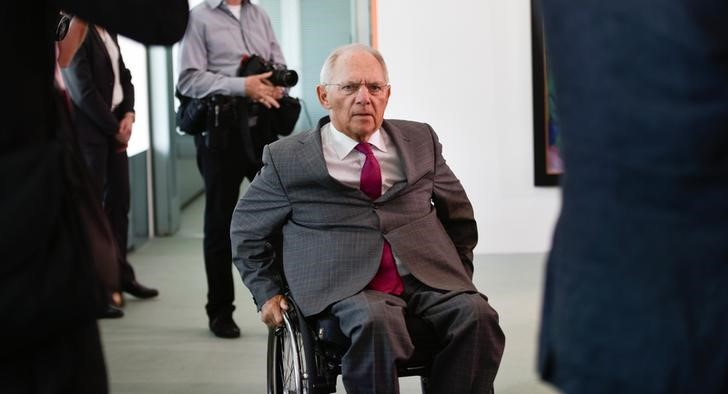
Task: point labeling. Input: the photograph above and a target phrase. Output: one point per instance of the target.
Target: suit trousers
(222, 164)
(109, 171)
(466, 325)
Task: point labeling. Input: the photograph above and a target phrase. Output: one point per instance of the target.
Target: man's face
(357, 95)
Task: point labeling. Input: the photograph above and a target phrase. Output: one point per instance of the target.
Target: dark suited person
(636, 298)
(49, 336)
(103, 101)
(374, 223)
(219, 35)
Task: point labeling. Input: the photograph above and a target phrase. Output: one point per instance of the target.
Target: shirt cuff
(235, 85)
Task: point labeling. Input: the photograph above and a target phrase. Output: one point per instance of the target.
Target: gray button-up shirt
(216, 41)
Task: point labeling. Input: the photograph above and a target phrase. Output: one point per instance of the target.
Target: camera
(252, 65)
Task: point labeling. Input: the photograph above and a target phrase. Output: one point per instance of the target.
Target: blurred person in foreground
(374, 224)
(48, 284)
(635, 298)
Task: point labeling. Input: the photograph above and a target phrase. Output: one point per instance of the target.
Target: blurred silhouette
(635, 298)
(48, 283)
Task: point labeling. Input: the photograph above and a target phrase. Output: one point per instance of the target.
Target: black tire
(288, 370)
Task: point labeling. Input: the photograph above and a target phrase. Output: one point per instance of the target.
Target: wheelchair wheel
(288, 372)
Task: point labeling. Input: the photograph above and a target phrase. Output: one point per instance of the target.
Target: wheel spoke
(289, 363)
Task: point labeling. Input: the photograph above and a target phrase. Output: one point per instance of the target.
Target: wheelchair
(304, 355)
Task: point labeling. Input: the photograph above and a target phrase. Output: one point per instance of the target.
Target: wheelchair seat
(304, 355)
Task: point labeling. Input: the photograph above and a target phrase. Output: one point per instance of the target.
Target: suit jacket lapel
(407, 156)
(311, 157)
(101, 47)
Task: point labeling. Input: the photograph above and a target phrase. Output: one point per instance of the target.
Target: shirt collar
(217, 3)
(342, 144)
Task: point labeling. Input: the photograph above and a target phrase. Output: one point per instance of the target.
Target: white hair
(342, 50)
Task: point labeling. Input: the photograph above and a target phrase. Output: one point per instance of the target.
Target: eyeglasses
(349, 88)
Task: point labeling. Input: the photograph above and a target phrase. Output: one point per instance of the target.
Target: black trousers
(109, 171)
(69, 361)
(223, 166)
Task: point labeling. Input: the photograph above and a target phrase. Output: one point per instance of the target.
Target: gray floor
(163, 345)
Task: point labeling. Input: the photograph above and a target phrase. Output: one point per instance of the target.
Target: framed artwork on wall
(548, 165)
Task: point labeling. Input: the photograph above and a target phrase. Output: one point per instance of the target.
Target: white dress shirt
(345, 163)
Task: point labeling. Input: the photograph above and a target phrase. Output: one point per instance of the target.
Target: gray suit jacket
(333, 234)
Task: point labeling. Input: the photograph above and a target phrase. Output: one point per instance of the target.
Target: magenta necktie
(387, 279)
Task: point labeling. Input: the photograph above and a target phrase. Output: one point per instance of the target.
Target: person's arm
(127, 105)
(84, 92)
(258, 217)
(196, 81)
(74, 38)
(158, 22)
(453, 208)
(194, 78)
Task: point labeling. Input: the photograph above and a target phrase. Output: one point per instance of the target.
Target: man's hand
(260, 90)
(272, 311)
(124, 133)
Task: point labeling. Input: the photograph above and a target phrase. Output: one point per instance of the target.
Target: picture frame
(548, 164)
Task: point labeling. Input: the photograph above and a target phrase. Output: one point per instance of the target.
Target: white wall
(464, 68)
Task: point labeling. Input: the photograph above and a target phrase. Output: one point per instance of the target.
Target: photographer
(220, 34)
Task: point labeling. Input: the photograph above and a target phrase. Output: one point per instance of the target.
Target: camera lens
(286, 78)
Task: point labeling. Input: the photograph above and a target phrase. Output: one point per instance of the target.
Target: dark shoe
(224, 327)
(139, 291)
(110, 312)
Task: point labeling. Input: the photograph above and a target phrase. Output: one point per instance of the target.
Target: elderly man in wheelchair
(372, 279)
